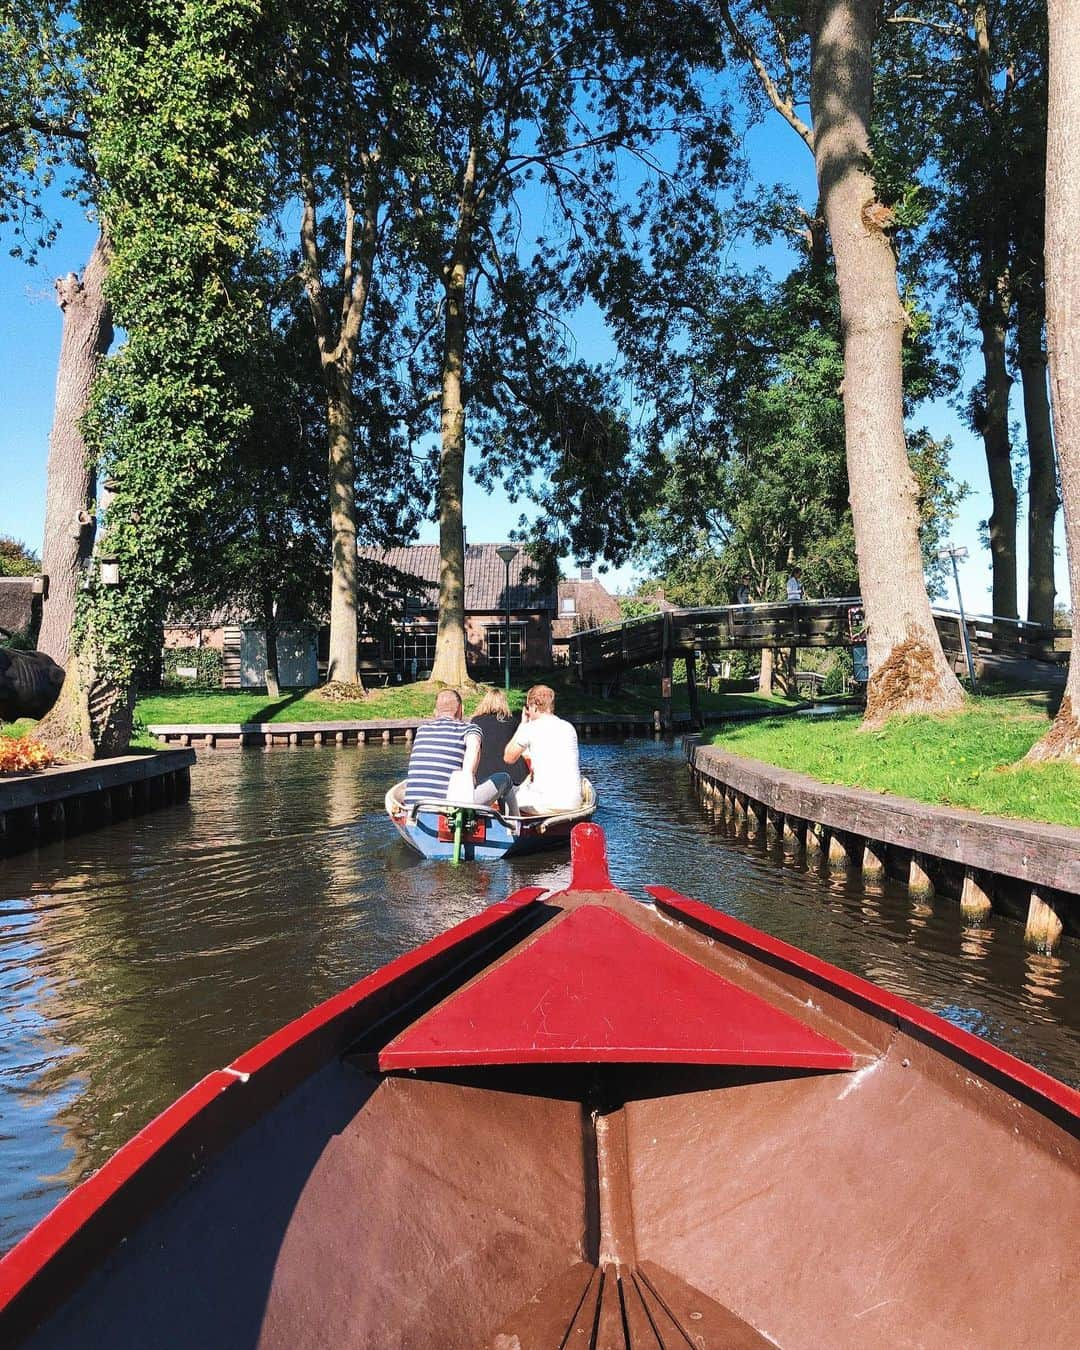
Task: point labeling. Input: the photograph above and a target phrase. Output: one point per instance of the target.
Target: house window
(495, 636)
(414, 644)
(568, 605)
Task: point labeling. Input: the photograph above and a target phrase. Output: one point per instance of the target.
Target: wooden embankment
(66, 799)
(226, 735)
(1028, 870)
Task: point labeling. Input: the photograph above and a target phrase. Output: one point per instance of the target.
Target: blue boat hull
(430, 832)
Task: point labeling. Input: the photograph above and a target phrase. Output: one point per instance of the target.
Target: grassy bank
(967, 759)
(410, 700)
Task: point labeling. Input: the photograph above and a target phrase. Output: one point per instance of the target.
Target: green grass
(411, 700)
(967, 759)
(22, 727)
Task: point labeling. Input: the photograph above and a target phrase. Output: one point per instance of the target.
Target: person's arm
(514, 748)
(473, 741)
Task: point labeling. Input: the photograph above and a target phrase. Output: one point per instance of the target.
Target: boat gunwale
(48, 1242)
(1033, 1086)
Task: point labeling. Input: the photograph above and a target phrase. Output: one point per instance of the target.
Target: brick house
(584, 603)
(402, 629)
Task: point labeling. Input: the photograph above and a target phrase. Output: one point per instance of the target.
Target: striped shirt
(438, 750)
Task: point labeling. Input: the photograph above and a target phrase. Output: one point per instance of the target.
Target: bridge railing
(835, 622)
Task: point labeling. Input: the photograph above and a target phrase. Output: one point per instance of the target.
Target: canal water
(136, 959)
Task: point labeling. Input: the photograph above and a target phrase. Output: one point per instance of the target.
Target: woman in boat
(497, 724)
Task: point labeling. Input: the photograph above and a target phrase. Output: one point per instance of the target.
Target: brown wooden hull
(927, 1195)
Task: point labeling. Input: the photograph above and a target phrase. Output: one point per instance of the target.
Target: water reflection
(135, 960)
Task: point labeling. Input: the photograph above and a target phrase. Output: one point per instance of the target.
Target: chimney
(586, 572)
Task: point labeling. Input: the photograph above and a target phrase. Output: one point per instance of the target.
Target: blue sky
(30, 341)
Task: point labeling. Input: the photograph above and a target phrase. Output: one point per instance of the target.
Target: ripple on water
(135, 960)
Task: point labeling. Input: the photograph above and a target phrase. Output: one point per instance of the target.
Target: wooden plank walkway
(605, 652)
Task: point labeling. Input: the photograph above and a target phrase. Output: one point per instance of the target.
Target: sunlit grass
(966, 759)
(639, 697)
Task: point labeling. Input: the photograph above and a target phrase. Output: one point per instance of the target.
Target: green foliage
(16, 560)
(179, 152)
(42, 119)
(749, 374)
(967, 759)
(562, 109)
(207, 662)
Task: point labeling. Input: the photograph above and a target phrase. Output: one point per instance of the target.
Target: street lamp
(958, 553)
(507, 552)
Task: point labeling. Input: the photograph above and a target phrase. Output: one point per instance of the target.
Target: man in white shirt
(552, 748)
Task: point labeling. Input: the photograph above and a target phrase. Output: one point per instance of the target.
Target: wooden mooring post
(1044, 925)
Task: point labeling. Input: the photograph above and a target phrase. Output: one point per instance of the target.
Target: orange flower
(19, 754)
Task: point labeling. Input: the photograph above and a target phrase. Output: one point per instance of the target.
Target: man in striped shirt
(444, 745)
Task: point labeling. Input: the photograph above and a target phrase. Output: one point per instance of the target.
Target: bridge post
(691, 688)
(666, 666)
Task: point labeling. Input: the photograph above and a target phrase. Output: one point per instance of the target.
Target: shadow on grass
(269, 711)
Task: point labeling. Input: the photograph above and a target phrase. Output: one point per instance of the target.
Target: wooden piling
(839, 860)
(339, 738)
(814, 846)
(974, 901)
(920, 887)
(1044, 926)
(318, 738)
(873, 861)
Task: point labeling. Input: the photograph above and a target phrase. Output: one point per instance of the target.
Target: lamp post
(957, 553)
(507, 552)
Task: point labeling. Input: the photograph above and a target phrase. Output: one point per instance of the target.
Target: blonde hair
(541, 697)
(493, 704)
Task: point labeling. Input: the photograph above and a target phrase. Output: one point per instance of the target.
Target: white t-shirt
(552, 747)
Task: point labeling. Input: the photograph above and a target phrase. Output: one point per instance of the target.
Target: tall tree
(527, 106)
(43, 135)
(1063, 327)
(180, 153)
(349, 100)
(964, 92)
(908, 669)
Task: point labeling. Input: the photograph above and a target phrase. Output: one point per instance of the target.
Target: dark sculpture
(29, 683)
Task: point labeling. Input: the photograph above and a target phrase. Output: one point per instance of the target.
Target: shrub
(207, 662)
(19, 754)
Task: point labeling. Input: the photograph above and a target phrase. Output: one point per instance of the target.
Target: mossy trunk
(449, 666)
(92, 718)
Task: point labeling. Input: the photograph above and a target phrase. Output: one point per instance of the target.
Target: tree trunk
(993, 426)
(1063, 328)
(69, 494)
(342, 474)
(270, 631)
(1042, 473)
(449, 665)
(92, 717)
(765, 674)
(908, 669)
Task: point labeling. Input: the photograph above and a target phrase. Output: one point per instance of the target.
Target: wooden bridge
(601, 655)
